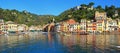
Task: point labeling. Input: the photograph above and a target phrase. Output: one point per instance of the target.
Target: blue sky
(53, 7)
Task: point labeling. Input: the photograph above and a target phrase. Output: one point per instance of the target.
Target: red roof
(71, 21)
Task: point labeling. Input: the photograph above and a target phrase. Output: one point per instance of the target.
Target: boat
(117, 47)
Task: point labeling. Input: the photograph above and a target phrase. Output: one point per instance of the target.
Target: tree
(99, 7)
(110, 11)
(83, 6)
(106, 8)
(112, 7)
(24, 17)
(91, 4)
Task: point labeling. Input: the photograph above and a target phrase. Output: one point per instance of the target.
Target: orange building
(91, 26)
(68, 25)
(94, 26)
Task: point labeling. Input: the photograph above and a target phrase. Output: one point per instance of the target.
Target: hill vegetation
(83, 11)
(24, 17)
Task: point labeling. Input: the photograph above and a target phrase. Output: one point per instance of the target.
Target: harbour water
(42, 42)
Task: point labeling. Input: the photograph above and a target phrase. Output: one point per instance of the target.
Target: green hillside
(24, 17)
(84, 12)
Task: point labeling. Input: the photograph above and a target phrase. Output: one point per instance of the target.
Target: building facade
(12, 27)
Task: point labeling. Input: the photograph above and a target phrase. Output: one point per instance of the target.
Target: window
(100, 17)
(100, 24)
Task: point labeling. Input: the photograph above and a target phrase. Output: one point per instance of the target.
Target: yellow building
(101, 26)
(12, 27)
(68, 25)
(89, 28)
(26, 27)
(101, 19)
(119, 23)
(3, 27)
(78, 27)
(100, 15)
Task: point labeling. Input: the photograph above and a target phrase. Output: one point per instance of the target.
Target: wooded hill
(24, 17)
(87, 11)
(83, 11)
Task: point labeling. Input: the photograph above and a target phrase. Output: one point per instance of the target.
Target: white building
(112, 25)
(3, 26)
(22, 27)
(83, 25)
(32, 28)
(58, 27)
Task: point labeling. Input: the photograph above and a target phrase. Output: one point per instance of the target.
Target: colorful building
(91, 26)
(32, 28)
(83, 25)
(3, 27)
(101, 21)
(69, 26)
(101, 24)
(12, 27)
(22, 27)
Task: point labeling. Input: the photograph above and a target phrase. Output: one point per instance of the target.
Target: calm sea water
(59, 43)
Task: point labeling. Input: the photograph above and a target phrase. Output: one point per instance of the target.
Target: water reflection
(50, 39)
(39, 42)
(92, 43)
